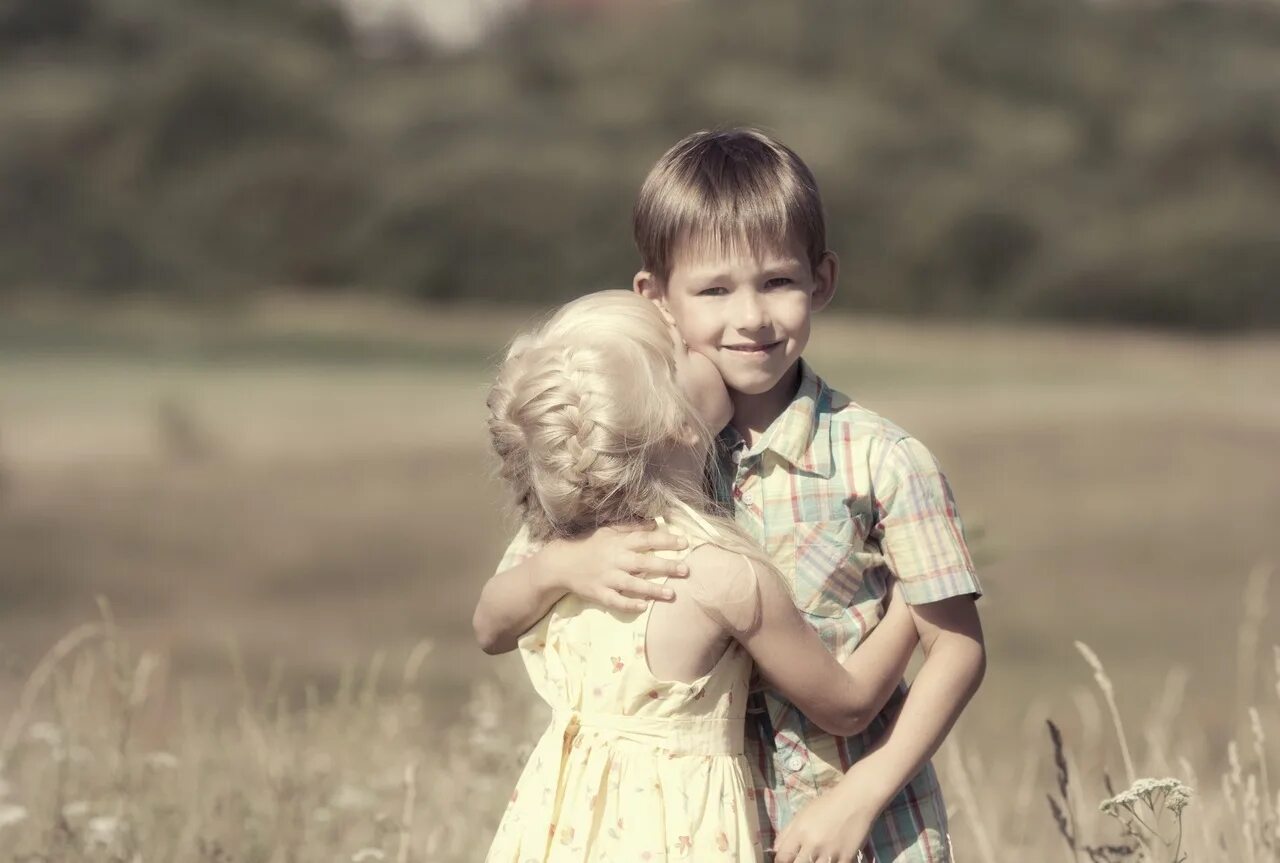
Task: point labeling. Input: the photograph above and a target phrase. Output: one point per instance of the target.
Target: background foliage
(1045, 158)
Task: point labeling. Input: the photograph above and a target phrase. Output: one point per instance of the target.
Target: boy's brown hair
(722, 186)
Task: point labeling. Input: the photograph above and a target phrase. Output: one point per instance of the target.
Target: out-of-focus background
(258, 259)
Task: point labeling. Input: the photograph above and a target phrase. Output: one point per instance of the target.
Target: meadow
(239, 551)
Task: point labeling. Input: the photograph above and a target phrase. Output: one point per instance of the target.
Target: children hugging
(708, 532)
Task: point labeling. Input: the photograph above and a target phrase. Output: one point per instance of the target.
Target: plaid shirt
(841, 499)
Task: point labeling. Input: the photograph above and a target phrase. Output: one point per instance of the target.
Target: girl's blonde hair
(586, 410)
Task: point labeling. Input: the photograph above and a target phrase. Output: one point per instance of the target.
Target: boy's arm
(954, 665)
(838, 822)
(607, 566)
(922, 540)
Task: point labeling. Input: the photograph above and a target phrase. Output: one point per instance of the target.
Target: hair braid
(584, 411)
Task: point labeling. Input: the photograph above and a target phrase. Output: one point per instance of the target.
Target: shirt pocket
(828, 570)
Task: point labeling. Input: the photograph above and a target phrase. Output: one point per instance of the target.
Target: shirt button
(795, 763)
(748, 499)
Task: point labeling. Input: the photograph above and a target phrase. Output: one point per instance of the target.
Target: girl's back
(633, 766)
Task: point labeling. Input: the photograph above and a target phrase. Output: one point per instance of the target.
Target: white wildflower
(367, 854)
(11, 814)
(75, 809)
(1178, 799)
(1176, 795)
(161, 760)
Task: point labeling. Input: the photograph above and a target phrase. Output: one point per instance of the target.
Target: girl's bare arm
(880, 661)
(842, 699)
(605, 567)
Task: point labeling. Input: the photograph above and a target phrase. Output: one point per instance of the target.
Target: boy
(732, 240)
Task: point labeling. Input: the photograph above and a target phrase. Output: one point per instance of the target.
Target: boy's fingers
(661, 566)
(639, 588)
(615, 601)
(651, 565)
(658, 540)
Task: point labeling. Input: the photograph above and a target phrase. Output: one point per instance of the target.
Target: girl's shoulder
(726, 584)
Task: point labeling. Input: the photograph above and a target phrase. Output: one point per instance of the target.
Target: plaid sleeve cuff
(940, 585)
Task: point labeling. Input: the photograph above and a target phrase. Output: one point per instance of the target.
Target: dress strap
(698, 519)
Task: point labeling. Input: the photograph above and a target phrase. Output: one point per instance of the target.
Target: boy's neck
(753, 414)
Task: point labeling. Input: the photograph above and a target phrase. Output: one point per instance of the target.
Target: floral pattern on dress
(632, 768)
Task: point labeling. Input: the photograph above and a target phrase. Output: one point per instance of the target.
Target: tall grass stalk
(1248, 635)
(1109, 694)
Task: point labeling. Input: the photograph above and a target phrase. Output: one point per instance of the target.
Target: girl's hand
(831, 829)
(613, 566)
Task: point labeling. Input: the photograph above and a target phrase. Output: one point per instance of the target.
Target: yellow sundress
(632, 768)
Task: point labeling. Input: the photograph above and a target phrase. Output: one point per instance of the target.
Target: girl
(603, 417)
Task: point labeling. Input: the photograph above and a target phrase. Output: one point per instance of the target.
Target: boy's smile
(747, 311)
(753, 349)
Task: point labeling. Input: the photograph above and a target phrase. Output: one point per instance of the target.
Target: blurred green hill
(1009, 158)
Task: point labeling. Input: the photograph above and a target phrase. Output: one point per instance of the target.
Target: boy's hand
(831, 829)
(613, 565)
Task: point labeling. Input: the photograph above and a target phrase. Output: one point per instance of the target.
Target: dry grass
(369, 773)
(374, 773)
(1231, 813)
(319, 505)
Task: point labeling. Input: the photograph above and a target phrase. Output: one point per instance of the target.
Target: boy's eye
(712, 292)
(777, 282)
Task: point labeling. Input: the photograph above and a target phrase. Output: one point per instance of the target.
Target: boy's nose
(751, 314)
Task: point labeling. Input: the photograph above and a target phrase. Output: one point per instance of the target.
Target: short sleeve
(520, 550)
(920, 531)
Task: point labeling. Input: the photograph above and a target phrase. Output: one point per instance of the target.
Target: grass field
(309, 482)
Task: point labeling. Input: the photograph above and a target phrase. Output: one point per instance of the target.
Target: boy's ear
(824, 278)
(649, 286)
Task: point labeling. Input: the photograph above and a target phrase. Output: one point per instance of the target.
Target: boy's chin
(752, 386)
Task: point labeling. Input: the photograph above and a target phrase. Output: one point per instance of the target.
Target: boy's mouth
(754, 349)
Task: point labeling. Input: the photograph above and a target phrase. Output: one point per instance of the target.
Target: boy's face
(746, 310)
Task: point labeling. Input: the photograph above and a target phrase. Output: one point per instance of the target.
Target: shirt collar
(801, 434)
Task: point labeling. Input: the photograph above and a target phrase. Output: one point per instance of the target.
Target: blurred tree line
(1012, 158)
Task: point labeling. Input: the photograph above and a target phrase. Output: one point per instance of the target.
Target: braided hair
(584, 415)
(582, 409)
